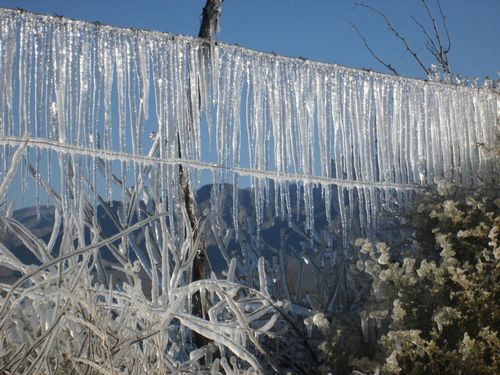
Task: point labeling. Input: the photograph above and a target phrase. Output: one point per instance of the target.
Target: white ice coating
(99, 91)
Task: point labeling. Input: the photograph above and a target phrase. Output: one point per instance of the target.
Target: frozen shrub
(434, 308)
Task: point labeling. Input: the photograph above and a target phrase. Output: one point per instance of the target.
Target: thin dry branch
(397, 34)
(431, 45)
(445, 26)
(372, 52)
(440, 52)
(433, 21)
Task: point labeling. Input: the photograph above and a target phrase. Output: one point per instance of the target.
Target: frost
(320, 321)
(398, 312)
(445, 316)
(392, 363)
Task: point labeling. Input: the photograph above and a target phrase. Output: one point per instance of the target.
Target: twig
(445, 25)
(387, 65)
(440, 53)
(397, 34)
(430, 41)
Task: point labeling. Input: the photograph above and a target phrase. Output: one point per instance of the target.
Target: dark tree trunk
(209, 24)
(210, 20)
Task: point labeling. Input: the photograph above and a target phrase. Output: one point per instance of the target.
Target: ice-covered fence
(94, 93)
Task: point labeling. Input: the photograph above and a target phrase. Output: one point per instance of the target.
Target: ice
(78, 102)
(262, 276)
(9, 174)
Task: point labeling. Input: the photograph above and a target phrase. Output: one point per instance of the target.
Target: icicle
(121, 55)
(235, 208)
(107, 86)
(143, 55)
(8, 51)
(297, 125)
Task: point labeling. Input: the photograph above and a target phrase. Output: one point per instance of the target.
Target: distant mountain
(279, 240)
(40, 222)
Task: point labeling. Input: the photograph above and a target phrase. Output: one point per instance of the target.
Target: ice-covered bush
(433, 308)
(59, 315)
(57, 319)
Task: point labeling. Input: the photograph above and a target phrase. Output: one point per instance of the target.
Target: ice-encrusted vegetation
(96, 121)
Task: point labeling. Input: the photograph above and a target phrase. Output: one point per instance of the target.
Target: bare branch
(434, 24)
(388, 66)
(441, 51)
(431, 46)
(397, 34)
(445, 25)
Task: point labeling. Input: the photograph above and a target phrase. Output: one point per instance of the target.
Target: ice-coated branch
(64, 257)
(16, 158)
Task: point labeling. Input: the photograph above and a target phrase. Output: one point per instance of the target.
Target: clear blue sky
(315, 29)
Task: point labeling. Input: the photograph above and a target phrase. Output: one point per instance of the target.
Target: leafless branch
(388, 66)
(445, 26)
(439, 51)
(397, 34)
(430, 42)
(433, 20)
